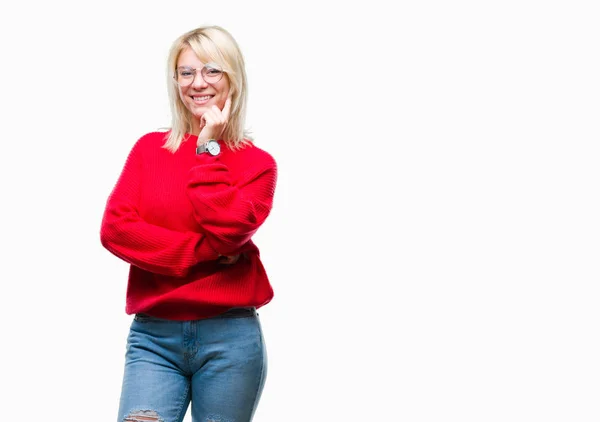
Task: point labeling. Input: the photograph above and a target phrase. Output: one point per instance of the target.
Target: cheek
(223, 93)
(224, 87)
(182, 96)
(186, 101)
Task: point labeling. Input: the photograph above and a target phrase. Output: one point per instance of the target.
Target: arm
(153, 248)
(230, 214)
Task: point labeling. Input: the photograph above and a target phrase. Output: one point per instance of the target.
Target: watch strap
(202, 148)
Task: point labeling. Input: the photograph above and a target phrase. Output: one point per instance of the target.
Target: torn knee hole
(143, 416)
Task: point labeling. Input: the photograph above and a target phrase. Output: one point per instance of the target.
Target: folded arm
(150, 247)
(229, 213)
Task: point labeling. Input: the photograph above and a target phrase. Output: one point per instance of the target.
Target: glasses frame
(202, 70)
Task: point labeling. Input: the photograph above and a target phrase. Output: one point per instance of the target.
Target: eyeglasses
(185, 75)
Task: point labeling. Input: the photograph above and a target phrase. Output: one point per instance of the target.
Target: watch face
(213, 147)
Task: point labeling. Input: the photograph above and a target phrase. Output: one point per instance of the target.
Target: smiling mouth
(201, 99)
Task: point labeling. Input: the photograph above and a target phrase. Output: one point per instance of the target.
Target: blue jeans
(219, 364)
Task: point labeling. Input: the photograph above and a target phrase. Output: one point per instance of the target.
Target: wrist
(211, 146)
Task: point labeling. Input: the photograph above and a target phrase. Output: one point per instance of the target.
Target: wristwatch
(212, 147)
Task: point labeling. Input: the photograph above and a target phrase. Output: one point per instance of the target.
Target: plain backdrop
(434, 240)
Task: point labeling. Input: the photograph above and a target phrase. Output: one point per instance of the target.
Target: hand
(213, 122)
(228, 260)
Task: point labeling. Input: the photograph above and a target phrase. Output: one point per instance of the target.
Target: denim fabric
(219, 364)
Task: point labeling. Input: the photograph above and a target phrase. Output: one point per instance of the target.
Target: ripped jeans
(219, 364)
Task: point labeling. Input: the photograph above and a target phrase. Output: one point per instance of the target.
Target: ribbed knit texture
(171, 215)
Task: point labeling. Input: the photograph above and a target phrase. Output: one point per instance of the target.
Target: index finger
(227, 107)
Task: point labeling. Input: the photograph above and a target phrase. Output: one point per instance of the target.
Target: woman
(183, 213)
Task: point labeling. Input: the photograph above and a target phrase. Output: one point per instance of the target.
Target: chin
(197, 111)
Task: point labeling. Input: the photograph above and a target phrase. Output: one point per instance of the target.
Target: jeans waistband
(239, 312)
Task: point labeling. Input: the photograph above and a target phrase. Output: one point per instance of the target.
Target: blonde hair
(211, 44)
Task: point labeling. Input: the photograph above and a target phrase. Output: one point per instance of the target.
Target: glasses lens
(185, 76)
(212, 73)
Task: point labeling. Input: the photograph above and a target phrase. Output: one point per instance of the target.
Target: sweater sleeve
(150, 247)
(229, 211)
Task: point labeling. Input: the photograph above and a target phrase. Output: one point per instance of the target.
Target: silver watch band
(204, 147)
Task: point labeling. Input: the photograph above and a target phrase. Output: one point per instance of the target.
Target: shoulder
(151, 140)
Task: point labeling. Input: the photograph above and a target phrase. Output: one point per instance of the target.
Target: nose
(199, 81)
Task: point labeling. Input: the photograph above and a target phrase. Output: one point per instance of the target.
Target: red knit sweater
(171, 215)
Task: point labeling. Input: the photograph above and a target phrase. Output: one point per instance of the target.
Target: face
(201, 95)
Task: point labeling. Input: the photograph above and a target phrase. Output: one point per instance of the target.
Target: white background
(434, 240)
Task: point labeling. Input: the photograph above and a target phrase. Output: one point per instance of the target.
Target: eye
(185, 71)
(213, 72)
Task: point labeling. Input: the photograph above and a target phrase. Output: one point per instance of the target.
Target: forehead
(188, 57)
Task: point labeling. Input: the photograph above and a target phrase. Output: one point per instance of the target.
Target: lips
(201, 99)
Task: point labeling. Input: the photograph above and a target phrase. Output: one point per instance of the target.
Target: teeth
(206, 97)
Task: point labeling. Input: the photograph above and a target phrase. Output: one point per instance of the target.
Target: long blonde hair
(211, 44)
